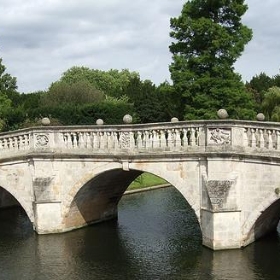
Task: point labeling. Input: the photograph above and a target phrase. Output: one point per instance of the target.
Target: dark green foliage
(79, 92)
(7, 87)
(110, 111)
(208, 39)
(258, 85)
(271, 104)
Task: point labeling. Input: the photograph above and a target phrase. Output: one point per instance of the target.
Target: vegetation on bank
(146, 180)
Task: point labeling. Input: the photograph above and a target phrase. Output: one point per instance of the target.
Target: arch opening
(13, 217)
(267, 222)
(97, 200)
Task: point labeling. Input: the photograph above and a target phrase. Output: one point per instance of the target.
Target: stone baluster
(132, 140)
(261, 138)
(26, 141)
(95, 142)
(169, 138)
(139, 143)
(88, 140)
(269, 139)
(10, 143)
(177, 138)
(102, 139)
(20, 142)
(81, 142)
(74, 140)
(162, 140)
(253, 138)
(148, 142)
(65, 140)
(115, 140)
(192, 137)
(155, 139)
(245, 138)
(277, 140)
(16, 142)
(185, 137)
(110, 142)
(5, 144)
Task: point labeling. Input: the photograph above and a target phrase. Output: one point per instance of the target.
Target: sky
(41, 39)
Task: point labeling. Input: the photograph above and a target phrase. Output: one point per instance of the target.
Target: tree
(271, 104)
(7, 86)
(80, 92)
(258, 85)
(208, 39)
(110, 82)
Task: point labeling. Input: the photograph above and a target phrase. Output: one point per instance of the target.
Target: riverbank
(147, 189)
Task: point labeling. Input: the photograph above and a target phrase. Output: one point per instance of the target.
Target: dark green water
(155, 237)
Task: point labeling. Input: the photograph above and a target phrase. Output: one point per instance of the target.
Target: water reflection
(155, 237)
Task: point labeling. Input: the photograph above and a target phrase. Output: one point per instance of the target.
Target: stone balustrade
(192, 136)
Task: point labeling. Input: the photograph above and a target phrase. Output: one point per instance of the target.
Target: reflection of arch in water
(96, 199)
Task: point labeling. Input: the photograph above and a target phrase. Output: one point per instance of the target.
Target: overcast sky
(40, 39)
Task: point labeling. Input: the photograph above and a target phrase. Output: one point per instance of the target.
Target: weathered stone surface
(69, 177)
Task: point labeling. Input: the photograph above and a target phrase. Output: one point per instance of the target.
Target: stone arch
(263, 220)
(9, 198)
(97, 199)
(93, 199)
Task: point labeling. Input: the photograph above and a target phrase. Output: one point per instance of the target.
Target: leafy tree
(208, 39)
(271, 104)
(258, 85)
(110, 82)
(169, 100)
(7, 86)
(7, 82)
(276, 80)
(80, 92)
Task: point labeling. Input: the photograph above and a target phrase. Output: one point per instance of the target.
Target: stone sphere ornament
(222, 114)
(260, 117)
(127, 119)
(45, 121)
(99, 122)
(174, 119)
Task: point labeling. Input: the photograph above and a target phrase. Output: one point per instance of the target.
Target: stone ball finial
(99, 122)
(222, 114)
(260, 117)
(127, 119)
(45, 121)
(174, 119)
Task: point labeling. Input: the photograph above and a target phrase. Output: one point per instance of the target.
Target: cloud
(40, 39)
(262, 53)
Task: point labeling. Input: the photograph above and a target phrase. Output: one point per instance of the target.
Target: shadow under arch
(97, 200)
(266, 222)
(11, 208)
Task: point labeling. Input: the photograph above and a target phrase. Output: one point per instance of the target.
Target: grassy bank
(146, 180)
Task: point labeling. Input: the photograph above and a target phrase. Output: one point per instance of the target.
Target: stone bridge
(72, 176)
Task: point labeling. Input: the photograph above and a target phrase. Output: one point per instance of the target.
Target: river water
(155, 237)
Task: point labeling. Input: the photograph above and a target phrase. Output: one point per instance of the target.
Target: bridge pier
(220, 230)
(48, 217)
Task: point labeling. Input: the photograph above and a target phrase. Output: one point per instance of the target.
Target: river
(155, 237)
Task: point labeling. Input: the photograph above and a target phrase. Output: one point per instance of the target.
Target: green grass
(146, 180)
